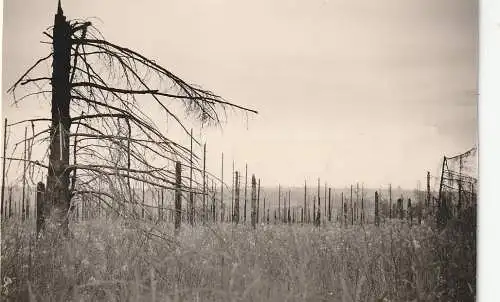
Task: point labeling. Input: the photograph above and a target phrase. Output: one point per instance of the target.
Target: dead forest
(116, 210)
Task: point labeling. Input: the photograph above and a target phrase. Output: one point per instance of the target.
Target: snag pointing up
(59, 8)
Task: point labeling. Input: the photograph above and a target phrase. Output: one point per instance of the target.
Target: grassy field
(137, 261)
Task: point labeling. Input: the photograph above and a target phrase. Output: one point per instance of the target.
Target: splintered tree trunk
(352, 209)
(345, 213)
(377, 218)
(314, 210)
(289, 207)
(246, 185)
(58, 175)
(40, 206)
(222, 190)
(357, 202)
(258, 201)
(143, 200)
(232, 194)
(390, 201)
(4, 213)
(204, 182)
(410, 212)
(329, 205)
(441, 216)
(279, 202)
(162, 206)
(191, 197)
(305, 201)
(253, 215)
(178, 195)
(318, 218)
(236, 217)
(325, 215)
(284, 209)
(362, 207)
(23, 198)
(158, 203)
(10, 202)
(428, 197)
(400, 208)
(28, 201)
(214, 217)
(264, 210)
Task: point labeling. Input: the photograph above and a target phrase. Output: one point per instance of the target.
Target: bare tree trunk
(246, 185)
(428, 198)
(236, 218)
(253, 215)
(357, 202)
(143, 200)
(329, 205)
(191, 196)
(162, 206)
(40, 207)
(10, 202)
(390, 201)
(258, 201)
(352, 209)
(442, 215)
(279, 202)
(377, 219)
(4, 213)
(58, 174)
(344, 209)
(362, 205)
(130, 195)
(204, 215)
(232, 193)
(23, 198)
(318, 219)
(264, 210)
(284, 209)
(178, 196)
(289, 206)
(314, 210)
(325, 213)
(222, 190)
(305, 201)
(214, 217)
(410, 212)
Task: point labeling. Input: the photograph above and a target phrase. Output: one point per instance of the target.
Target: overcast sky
(347, 90)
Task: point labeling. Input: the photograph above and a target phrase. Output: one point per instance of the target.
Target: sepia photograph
(231, 150)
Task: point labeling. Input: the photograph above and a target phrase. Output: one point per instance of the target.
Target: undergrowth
(117, 260)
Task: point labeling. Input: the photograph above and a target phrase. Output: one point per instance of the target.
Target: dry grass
(123, 261)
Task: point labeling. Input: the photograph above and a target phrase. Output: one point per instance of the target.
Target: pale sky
(347, 90)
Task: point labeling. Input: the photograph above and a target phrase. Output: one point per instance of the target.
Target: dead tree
(236, 217)
(258, 201)
(4, 213)
(253, 205)
(318, 217)
(100, 132)
(178, 195)
(329, 205)
(410, 211)
(305, 201)
(246, 185)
